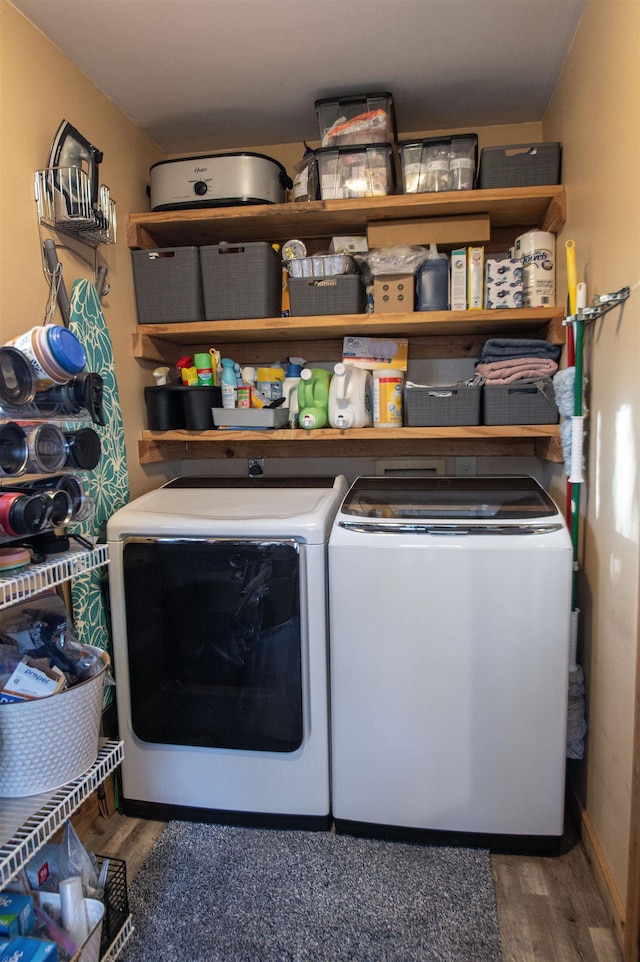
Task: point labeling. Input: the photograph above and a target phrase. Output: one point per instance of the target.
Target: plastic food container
(322, 265)
(439, 163)
(365, 171)
(358, 119)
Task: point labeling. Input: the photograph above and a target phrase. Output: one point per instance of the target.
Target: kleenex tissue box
(16, 914)
(503, 282)
(28, 950)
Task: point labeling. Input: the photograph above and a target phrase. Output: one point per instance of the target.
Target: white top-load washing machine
(219, 609)
(449, 622)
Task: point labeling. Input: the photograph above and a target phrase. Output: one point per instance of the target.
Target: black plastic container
(197, 401)
(174, 407)
(165, 411)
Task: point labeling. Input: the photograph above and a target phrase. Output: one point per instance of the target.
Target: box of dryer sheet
(459, 279)
(16, 915)
(374, 353)
(475, 278)
(502, 282)
(28, 950)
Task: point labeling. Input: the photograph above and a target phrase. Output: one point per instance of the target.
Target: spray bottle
(292, 374)
(229, 383)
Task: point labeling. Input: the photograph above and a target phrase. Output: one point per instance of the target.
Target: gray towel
(498, 348)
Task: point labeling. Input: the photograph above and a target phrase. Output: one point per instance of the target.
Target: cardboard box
(43, 865)
(349, 244)
(466, 229)
(475, 278)
(459, 279)
(375, 353)
(503, 283)
(394, 293)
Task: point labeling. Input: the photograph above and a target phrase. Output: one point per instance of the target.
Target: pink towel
(517, 369)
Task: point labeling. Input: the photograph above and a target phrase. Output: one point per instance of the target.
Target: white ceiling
(206, 75)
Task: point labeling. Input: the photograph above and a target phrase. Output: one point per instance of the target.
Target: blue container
(432, 284)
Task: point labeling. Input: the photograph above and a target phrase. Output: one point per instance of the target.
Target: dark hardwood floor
(549, 907)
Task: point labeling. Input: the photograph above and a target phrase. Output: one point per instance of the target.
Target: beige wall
(595, 112)
(38, 88)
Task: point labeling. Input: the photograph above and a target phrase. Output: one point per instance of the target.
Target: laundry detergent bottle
(292, 375)
(313, 398)
(350, 397)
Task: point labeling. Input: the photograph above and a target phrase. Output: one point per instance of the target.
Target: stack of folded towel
(504, 360)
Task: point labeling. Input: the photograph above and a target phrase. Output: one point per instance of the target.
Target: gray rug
(219, 893)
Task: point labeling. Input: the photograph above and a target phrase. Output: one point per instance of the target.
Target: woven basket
(48, 742)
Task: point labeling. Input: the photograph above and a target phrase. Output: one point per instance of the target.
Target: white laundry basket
(48, 742)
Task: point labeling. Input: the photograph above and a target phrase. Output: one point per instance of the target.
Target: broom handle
(575, 488)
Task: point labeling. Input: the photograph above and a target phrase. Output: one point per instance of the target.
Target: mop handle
(572, 276)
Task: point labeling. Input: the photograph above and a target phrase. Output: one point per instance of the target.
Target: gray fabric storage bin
(520, 165)
(168, 285)
(342, 294)
(241, 281)
(522, 402)
(437, 406)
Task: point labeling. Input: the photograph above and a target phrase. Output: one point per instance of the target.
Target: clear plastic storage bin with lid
(439, 163)
(356, 119)
(365, 171)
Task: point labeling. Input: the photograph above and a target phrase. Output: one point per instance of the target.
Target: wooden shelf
(541, 440)
(543, 208)
(489, 323)
(441, 334)
(430, 333)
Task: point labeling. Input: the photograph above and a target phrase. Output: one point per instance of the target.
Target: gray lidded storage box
(520, 165)
(521, 402)
(241, 281)
(457, 404)
(168, 285)
(341, 294)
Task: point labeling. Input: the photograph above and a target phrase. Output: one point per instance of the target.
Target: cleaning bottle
(292, 374)
(432, 282)
(229, 383)
(202, 364)
(313, 398)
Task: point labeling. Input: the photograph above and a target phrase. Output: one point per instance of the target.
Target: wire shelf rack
(119, 942)
(48, 574)
(26, 824)
(65, 203)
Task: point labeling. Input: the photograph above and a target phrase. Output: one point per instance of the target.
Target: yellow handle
(572, 276)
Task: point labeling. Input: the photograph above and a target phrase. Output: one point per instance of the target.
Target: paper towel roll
(74, 914)
(537, 250)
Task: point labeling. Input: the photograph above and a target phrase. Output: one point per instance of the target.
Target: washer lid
(234, 507)
(488, 499)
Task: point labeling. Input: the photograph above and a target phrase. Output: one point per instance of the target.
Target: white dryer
(449, 621)
(219, 609)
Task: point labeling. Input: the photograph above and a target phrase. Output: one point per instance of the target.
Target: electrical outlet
(465, 467)
(256, 467)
